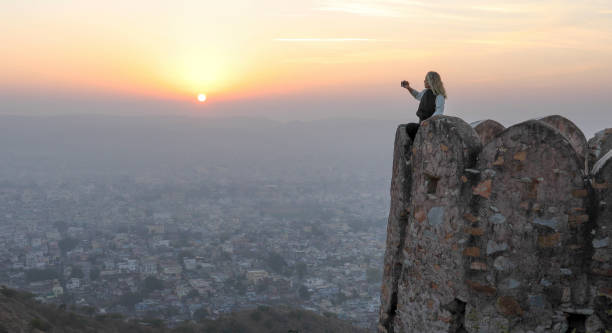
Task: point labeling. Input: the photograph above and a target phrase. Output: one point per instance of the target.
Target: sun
(201, 97)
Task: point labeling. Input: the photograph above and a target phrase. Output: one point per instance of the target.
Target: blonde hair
(435, 83)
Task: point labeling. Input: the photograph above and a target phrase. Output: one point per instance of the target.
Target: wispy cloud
(417, 9)
(497, 9)
(381, 8)
(486, 42)
(363, 10)
(577, 39)
(324, 40)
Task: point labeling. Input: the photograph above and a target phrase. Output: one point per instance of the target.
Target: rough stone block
(568, 129)
(508, 284)
(550, 223)
(435, 216)
(503, 264)
(396, 227)
(524, 236)
(599, 243)
(481, 288)
(599, 145)
(520, 156)
(578, 219)
(471, 218)
(479, 320)
(471, 252)
(478, 266)
(443, 148)
(487, 129)
(475, 231)
(601, 266)
(497, 219)
(494, 247)
(549, 240)
(580, 193)
(502, 238)
(508, 306)
(483, 189)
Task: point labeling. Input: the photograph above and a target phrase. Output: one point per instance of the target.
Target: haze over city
(288, 60)
(187, 163)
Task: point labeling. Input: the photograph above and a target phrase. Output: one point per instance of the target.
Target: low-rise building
(256, 275)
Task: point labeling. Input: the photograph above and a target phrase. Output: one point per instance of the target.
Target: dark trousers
(411, 130)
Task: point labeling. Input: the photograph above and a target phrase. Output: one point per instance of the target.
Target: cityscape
(311, 166)
(146, 247)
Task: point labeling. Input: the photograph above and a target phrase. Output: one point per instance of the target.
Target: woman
(432, 100)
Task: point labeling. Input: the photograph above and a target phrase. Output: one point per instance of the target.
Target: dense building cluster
(192, 250)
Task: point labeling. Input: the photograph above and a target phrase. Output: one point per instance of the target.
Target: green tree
(154, 322)
(255, 316)
(67, 244)
(94, 274)
(40, 324)
(77, 272)
(301, 269)
(200, 314)
(339, 298)
(237, 283)
(34, 275)
(184, 254)
(304, 293)
(61, 226)
(130, 299)
(88, 310)
(276, 262)
(151, 284)
(193, 294)
(263, 285)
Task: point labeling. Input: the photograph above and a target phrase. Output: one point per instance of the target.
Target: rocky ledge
(495, 229)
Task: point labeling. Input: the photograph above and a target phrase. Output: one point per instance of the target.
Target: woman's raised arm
(415, 93)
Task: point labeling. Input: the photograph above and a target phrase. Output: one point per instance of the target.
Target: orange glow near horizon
(244, 49)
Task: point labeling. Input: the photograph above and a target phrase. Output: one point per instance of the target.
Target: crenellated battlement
(495, 229)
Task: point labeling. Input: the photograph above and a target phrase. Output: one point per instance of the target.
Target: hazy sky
(507, 60)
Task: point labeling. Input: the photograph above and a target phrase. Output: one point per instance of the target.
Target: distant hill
(273, 320)
(70, 146)
(20, 313)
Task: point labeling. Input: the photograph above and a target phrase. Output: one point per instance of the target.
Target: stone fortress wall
(495, 229)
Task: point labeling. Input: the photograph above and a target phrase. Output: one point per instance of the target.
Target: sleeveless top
(427, 106)
(438, 103)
